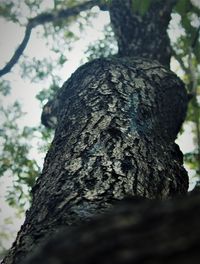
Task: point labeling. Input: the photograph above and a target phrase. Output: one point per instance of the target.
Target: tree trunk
(116, 121)
(136, 231)
(142, 35)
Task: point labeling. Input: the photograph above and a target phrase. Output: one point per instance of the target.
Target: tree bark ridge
(117, 120)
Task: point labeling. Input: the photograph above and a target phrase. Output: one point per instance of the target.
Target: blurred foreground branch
(135, 231)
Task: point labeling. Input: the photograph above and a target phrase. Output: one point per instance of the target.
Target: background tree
(141, 10)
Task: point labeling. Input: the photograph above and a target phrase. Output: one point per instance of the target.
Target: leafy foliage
(37, 70)
(15, 161)
(5, 87)
(6, 10)
(187, 52)
(141, 7)
(47, 94)
(104, 47)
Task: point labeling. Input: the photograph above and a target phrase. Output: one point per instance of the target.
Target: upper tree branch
(42, 19)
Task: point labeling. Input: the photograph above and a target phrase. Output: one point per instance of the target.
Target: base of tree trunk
(136, 231)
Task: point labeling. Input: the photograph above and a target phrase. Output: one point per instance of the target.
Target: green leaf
(5, 87)
(183, 6)
(141, 7)
(6, 11)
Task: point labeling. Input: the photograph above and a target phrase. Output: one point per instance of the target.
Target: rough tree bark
(115, 122)
(136, 231)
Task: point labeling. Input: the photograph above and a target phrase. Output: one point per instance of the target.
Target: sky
(25, 92)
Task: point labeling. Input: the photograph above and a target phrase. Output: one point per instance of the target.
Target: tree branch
(18, 52)
(46, 18)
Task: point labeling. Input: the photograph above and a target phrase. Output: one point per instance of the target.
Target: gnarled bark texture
(116, 121)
